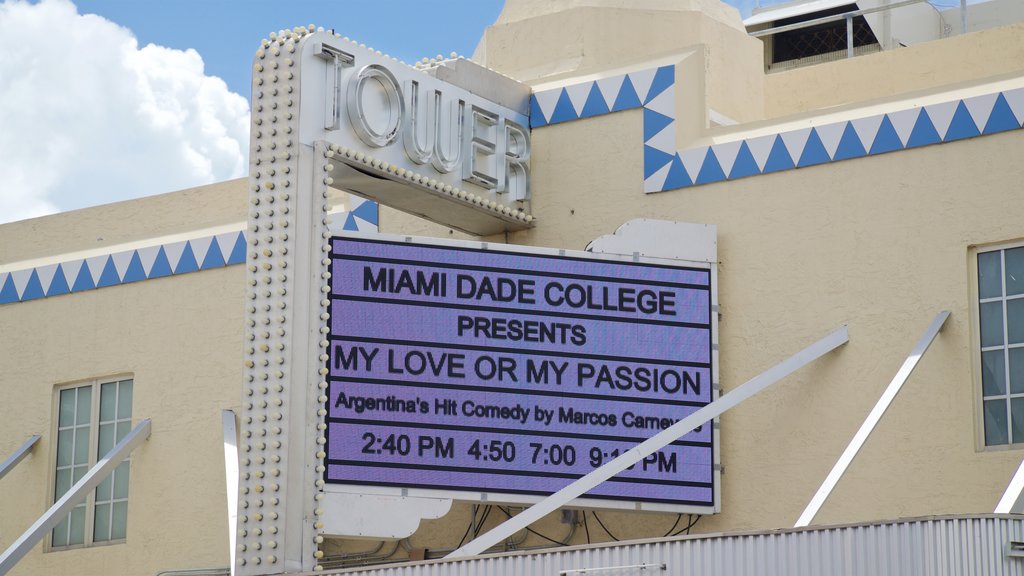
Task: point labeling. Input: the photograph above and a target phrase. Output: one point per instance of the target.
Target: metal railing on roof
(848, 17)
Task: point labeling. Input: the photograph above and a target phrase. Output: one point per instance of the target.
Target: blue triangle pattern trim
(188, 261)
(849, 144)
(237, 252)
(1002, 118)
(886, 140)
(745, 165)
(778, 158)
(654, 122)
(34, 288)
(8, 293)
(595, 104)
(367, 211)
(135, 271)
(59, 284)
(564, 111)
(84, 280)
(677, 176)
(537, 118)
(109, 275)
(350, 223)
(924, 132)
(162, 266)
(814, 151)
(654, 160)
(711, 170)
(213, 258)
(962, 126)
(663, 78)
(627, 98)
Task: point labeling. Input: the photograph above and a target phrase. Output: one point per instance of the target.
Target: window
(1001, 330)
(91, 419)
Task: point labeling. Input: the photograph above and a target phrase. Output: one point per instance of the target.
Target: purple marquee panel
(507, 372)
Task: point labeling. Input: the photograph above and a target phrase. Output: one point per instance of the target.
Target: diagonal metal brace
(654, 443)
(18, 455)
(872, 420)
(74, 496)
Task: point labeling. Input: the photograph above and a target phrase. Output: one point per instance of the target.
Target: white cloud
(88, 117)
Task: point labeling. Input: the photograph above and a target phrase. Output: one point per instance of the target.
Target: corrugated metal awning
(964, 544)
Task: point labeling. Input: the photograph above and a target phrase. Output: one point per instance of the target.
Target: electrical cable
(586, 526)
(534, 532)
(691, 522)
(480, 524)
(468, 528)
(669, 532)
(598, 518)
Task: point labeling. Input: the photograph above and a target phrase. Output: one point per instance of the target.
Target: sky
(106, 100)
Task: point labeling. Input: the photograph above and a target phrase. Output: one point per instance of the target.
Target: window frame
(96, 385)
(976, 345)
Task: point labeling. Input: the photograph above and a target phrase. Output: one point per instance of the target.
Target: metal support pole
(654, 443)
(849, 36)
(963, 16)
(872, 420)
(18, 455)
(231, 479)
(74, 496)
(1011, 502)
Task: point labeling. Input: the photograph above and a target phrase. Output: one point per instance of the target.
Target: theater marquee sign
(512, 370)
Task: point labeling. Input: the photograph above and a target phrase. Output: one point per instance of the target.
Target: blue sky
(226, 32)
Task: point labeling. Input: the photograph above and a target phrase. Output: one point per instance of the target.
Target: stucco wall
(177, 337)
(925, 66)
(180, 337)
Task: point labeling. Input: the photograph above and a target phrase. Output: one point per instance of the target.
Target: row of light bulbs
(270, 217)
(270, 251)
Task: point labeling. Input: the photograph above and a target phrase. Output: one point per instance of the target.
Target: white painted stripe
(546, 101)
(96, 266)
(942, 115)
(173, 252)
(693, 160)
(121, 262)
(664, 103)
(796, 141)
(21, 278)
(610, 87)
(980, 108)
(664, 140)
(200, 246)
(642, 80)
(148, 257)
(867, 129)
(760, 148)
(656, 182)
(903, 121)
(578, 95)
(726, 153)
(71, 270)
(1015, 98)
(45, 276)
(830, 135)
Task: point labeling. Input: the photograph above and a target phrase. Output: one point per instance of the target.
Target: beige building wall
(179, 337)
